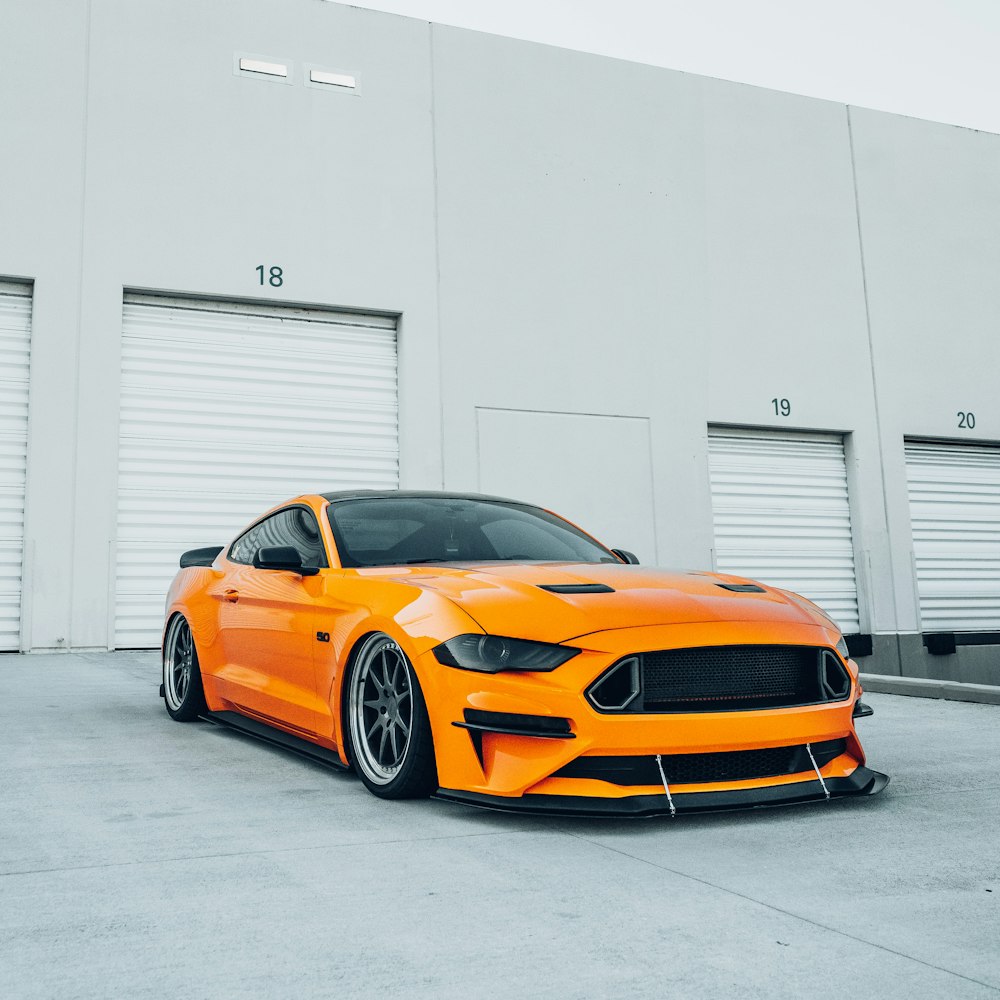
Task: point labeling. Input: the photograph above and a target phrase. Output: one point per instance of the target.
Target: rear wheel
(182, 691)
(389, 734)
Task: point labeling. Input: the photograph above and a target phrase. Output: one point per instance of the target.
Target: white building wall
(559, 234)
(929, 204)
(570, 212)
(41, 184)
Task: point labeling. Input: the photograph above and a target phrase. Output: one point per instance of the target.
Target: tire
(389, 739)
(183, 694)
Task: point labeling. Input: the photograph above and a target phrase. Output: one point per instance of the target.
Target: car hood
(507, 599)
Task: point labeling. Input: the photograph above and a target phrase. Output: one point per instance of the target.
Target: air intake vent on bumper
(618, 688)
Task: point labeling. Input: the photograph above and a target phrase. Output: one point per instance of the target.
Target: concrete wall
(590, 259)
(929, 204)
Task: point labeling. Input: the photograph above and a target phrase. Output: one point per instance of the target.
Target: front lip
(862, 781)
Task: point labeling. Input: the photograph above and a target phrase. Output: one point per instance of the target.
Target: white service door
(782, 516)
(593, 470)
(955, 515)
(15, 349)
(228, 409)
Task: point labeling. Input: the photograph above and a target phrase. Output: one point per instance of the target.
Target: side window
(243, 549)
(295, 526)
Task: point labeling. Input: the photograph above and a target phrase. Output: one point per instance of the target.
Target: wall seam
(75, 470)
(874, 378)
(437, 257)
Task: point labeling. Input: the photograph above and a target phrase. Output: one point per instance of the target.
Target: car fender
(416, 619)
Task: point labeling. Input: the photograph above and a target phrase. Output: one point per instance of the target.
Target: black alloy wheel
(183, 694)
(389, 734)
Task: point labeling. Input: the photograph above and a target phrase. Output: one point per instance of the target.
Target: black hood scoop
(576, 588)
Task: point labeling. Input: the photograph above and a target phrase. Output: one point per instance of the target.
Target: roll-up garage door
(228, 409)
(782, 515)
(955, 513)
(15, 344)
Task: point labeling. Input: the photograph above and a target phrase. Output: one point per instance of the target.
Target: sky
(925, 58)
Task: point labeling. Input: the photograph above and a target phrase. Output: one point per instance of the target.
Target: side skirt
(251, 727)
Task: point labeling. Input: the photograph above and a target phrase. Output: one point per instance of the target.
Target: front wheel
(182, 691)
(389, 733)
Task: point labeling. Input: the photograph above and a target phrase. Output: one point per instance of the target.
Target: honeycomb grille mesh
(714, 678)
(702, 768)
(742, 765)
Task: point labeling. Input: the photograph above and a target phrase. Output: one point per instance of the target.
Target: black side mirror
(627, 557)
(282, 557)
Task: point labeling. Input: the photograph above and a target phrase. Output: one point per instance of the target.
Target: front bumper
(862, 781)
(509, 740)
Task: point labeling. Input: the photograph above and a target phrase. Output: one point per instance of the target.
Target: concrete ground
(142, 858)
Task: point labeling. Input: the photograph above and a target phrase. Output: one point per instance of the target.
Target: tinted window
(294, 526)
(243, 549)
(392, 531)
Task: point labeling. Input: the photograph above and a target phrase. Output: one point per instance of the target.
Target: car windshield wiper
(413, 562)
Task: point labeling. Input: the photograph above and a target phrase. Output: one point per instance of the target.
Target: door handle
(231, 595)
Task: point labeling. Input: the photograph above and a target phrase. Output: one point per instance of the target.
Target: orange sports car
(492, 653)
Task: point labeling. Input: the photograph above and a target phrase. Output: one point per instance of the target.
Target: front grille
(702, 768)
(724, 678)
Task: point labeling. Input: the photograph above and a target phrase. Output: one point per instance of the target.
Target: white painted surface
(954, 494)
(586, 236)
(782, 515)
(227, 410)
(593, 470)
(15, 352)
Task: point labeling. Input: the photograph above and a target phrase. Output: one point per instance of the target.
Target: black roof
(415, 495)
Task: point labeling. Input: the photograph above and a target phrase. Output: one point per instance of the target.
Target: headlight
(493, 653)
(842, 648)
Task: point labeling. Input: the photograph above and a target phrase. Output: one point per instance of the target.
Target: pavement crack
(787, 913)
(249, 854)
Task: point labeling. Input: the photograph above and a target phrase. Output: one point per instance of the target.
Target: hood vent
(576, 588)
(742, 588)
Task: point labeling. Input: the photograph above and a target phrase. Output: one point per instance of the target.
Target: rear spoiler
(200, 557)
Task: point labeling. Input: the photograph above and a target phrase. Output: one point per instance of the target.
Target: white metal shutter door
(955, 513)
(782, 515)
(228, 409)
(15, 346)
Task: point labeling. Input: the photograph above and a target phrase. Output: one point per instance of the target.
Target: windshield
(394, 531)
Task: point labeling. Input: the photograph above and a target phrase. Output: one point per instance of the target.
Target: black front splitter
(863, 781)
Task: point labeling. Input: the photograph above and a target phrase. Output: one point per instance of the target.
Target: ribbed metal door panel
(227, 409)
(15, 344)
(782, 515)
(955, 514)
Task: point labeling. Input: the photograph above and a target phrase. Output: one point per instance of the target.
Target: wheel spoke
(381, 711)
